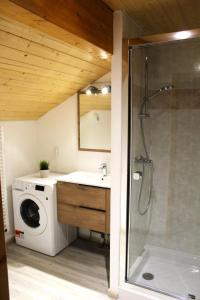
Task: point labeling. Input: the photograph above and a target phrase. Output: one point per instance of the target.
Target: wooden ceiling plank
(29, 47)
(158, 16)
(38, 71)
(24, 16)
(22, 74)
(19, 55)
(20, 98)
(34, 92)
(26, 55)
(24, 31)
(30, 78)
(26, 91)
(89, 20)
(34, 87)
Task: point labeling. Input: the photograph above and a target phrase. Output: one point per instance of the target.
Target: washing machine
(35, 215)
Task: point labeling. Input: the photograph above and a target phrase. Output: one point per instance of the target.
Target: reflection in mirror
(94, 116)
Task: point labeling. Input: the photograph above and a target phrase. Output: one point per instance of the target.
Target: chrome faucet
(103, 167)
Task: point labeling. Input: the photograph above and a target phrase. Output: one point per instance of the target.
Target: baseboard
(112, 294)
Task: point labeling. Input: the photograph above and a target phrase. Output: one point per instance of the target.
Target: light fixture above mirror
(97, 89)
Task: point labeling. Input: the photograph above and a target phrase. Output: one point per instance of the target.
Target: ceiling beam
(91, 21)
(165, 37)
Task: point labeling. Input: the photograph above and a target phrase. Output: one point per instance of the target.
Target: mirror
(94, 118)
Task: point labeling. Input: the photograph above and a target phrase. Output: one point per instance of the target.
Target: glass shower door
(139, 167)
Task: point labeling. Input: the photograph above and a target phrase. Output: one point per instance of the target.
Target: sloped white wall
(58, 140)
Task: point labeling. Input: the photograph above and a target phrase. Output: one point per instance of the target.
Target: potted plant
(44, 168)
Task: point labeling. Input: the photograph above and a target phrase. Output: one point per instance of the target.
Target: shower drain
(148, 276)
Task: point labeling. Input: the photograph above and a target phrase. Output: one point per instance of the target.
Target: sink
(88, 178)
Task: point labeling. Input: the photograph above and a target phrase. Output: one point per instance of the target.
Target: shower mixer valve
(137, 175)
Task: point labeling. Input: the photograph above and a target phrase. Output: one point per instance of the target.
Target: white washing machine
(35, 215)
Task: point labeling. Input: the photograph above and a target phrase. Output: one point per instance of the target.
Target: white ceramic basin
(87, 178)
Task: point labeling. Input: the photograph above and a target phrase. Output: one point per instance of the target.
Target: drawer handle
(91, 208)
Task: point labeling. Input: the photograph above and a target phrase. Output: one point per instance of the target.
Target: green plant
(44, 165)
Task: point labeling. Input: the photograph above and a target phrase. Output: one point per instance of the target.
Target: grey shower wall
(175, 146)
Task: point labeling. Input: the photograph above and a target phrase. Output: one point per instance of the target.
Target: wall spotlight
(91, 90)
(106, 89)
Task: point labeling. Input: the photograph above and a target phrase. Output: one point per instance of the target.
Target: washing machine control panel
(23, 186)
(40, 188)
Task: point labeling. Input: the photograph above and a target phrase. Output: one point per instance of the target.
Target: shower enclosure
(163, 211)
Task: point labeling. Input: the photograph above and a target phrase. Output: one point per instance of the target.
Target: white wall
(20, 156)
(27, 142)
(58, 141)
(124, 27)
(116, 153)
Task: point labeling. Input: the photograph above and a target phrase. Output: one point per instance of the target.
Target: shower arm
(148, 98)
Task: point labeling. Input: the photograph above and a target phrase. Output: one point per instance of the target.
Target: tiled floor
(79, 272)
(175, 273)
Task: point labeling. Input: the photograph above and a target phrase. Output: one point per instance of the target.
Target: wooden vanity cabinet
(84, 206)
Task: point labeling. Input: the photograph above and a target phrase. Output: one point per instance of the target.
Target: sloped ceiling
(160, 16)
(38, 71)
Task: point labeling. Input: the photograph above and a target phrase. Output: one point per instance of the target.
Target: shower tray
(171, 272)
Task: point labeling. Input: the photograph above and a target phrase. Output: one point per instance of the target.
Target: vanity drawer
(81, 195)
(82, 217)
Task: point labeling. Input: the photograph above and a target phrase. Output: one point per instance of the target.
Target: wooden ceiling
(94, 102)
(161, 16)
(39, 70)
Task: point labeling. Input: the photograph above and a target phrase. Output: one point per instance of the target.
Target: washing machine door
(32, 214)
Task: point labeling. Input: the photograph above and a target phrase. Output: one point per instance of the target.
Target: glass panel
(139, 174)
(164, 203)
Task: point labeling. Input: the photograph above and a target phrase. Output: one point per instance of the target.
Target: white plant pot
(44, 173)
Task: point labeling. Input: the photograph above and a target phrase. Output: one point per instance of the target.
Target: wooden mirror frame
(79, 138)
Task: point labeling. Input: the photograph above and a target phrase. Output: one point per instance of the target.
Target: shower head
(162, 89)
(143, 113)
